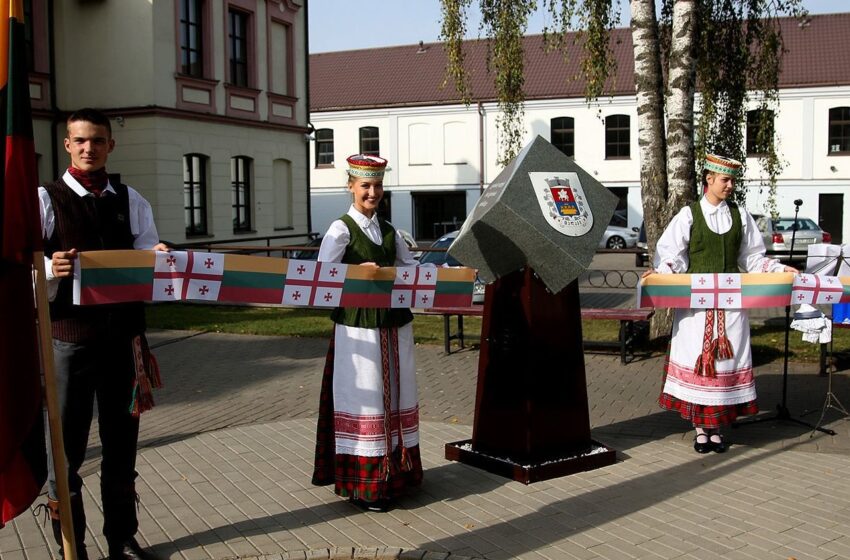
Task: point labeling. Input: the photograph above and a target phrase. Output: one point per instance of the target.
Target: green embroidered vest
(714, 252)
(361, 249)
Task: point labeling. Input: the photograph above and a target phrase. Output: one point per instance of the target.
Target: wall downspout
(307, 111)
(54, 107)
(481, 114)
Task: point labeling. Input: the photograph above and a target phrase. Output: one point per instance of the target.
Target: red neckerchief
(92, 181)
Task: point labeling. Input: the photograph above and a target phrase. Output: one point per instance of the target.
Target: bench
(625, 341)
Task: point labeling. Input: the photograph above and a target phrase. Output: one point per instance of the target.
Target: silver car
(777, 233)
(439, 258)
(617, 237)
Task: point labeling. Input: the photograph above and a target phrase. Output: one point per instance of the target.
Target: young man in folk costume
(100, 351)
(708, 374)
(368, 431)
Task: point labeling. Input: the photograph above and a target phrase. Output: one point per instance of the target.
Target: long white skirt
(358, 392)
(734, 383)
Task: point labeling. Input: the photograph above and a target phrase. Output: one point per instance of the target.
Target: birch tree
(726, 48)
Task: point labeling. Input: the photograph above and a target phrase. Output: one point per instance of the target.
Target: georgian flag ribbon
(187, 275)
(317, 284)
(103, 277)
(812, 289)
(715, 291)
(414, 286)
(740, 291)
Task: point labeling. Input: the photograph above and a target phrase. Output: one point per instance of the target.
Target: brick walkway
(226, 456)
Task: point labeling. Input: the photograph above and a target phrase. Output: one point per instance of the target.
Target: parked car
(618, 237)
(776, 234)
(311, 255)
(440, 258)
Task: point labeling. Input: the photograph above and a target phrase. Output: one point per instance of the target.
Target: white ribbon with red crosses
(187, 275)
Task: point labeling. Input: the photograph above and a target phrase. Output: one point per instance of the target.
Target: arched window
(617, 137)
(240, 183)
(324, 147)
(195, 194)
(759, 139)
(562, 133)
(839, 130)
(369, 142)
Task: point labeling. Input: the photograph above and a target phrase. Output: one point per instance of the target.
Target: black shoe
(719, 446)
(129, 550)
(377, 506)
(704, 446)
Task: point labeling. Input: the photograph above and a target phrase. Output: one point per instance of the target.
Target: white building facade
(443, 154)
(208, 102)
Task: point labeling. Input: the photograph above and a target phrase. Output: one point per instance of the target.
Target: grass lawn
(767, 340)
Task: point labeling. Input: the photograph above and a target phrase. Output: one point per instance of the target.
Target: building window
(195, 194)
(192, 38)
(369, 142)
(759, 139)
(617, 134)
(324, 147)
(839, 130)
(562, 132)
(28, 35)
(237, 37)
(240, 182)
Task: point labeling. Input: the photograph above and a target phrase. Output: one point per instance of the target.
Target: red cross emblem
(702, 280)
(702, 300)
(729, 301)
(203, 290)
(333, 271)
(401, 298)
(208, 263)
(730, 281)
(406, 275)
(169, 290)
(425, 298)
(428, 275)
(829, 297)
(296, 296)
(171, 260)
(328, 296)
(801, 297)
(301, 269)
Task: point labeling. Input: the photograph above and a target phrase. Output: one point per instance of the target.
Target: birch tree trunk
(651, 136)
(681, 176)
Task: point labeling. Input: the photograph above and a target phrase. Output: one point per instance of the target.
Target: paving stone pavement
(225, 461)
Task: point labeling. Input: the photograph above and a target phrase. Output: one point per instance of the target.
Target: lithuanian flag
(22, 449)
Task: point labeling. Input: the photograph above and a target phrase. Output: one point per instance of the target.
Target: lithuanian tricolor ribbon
(123, 276)
(740, 291)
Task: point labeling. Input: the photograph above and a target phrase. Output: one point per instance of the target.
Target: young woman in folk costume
(708, 373)
(367, 440)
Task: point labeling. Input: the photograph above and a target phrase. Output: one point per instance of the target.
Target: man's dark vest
(89, 223)
(714, 252)
(361, 249)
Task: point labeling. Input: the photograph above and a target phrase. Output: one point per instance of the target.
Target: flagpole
(54, 419)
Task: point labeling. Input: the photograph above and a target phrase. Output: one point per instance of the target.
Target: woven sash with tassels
(713, 348)
(146, 379)
(390, 367)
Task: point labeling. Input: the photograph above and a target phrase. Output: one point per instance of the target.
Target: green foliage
(738, 54)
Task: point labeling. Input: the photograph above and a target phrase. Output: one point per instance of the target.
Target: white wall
(801, 136)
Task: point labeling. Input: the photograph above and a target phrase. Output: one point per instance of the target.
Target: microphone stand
(782, 412)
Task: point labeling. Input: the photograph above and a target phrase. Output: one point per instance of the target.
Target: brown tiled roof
(818, 55)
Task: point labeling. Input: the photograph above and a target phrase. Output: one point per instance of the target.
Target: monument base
(599, 456)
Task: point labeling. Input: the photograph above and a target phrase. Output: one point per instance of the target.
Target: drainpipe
(51, 80)
(307, 109)
(480, 148)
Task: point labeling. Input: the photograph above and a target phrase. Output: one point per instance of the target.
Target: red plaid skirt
(707, 416)
(356, 476)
